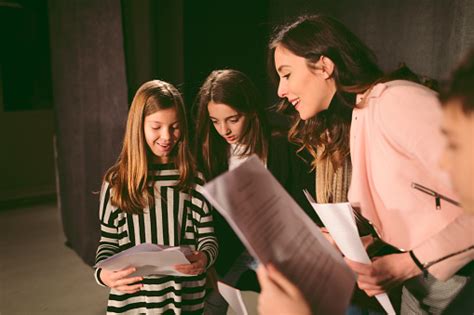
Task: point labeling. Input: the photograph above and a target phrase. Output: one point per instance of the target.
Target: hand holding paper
(120, 280)
(279, 295)
(276, 230)
(148, 259)
(384, 273)
(197, 265)
(339, 220)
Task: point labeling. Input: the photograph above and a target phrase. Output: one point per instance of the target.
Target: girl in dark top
(231, 126)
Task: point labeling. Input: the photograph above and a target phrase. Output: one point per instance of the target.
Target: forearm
(457, 237)
(208, 245)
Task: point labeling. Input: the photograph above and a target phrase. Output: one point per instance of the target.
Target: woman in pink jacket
(391, 129)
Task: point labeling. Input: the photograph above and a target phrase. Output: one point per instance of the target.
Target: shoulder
(402, 102)
(403, 95)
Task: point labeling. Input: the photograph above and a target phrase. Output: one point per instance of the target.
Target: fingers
(262, 277)
(117, 275)
(191, 269)
(283, 282)
(129, 288)
(119, 281)
(359, 268)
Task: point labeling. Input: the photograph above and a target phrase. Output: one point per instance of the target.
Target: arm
(420, 137)
(108, 246)
(456, 237)
(207, 248)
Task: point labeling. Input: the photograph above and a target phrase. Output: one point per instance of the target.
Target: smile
(165, 147)
(295, 101)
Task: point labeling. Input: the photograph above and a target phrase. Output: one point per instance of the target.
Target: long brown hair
(355, 71)
(128, 178)
(235, 89)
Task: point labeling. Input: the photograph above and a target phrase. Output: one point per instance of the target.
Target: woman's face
(310, 91)
(162, 133)
(228, 122)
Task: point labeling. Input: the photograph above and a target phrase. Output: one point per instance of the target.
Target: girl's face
(228, 122)
(162, 132)
(310, 91)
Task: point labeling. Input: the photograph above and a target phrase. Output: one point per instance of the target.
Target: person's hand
(197, 266)
(279, 295)
(329, 238)
(384, 273)
(120, 281)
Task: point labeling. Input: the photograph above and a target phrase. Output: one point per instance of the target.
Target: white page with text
(276, 230)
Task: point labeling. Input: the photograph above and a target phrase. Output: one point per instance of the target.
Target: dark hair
(235, 89)
(355, 71)
(128, 178)
(461, 85)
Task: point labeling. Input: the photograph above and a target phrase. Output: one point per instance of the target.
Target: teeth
(295, 102)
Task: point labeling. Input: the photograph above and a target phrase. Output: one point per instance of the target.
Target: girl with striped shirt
(152, 195)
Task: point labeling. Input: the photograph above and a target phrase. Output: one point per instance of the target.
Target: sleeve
(456, 238)
(292, 169)
(108, 244)
(411, 120)
(204, 229)
(302, 177)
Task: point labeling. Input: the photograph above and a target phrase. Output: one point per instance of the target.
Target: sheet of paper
(148, 259)
(276, 230)
(233, 297)
(338, 218)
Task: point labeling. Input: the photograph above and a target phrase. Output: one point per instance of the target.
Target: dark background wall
(101, 51)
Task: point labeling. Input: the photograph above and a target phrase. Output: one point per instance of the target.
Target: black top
(294, 175)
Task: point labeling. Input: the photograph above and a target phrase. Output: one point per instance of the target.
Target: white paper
(233, 298)
(148, 259)
(276, 230)
(338, 218)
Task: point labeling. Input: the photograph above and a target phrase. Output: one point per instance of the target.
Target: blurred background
(69, 69)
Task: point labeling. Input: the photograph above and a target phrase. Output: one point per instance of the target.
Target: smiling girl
(151, 195)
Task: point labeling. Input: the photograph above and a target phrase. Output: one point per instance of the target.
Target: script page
(338, 219)
(276, 230)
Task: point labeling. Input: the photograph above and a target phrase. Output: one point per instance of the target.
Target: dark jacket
(294, 175)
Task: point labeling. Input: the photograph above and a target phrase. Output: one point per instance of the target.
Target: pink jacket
(396, 140)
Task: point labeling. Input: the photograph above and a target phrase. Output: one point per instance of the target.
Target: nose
(224, 129)
(165, 134)
(282, 89)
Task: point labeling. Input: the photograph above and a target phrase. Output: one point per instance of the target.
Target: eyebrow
(159, 122)
(229, 117)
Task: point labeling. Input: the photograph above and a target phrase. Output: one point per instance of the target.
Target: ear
(327, 66)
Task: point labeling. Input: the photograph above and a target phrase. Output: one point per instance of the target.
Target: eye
(234, 120)
(156, 127)
(214, 122)
(286, 76)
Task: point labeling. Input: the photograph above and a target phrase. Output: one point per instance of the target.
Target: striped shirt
(177, 218)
